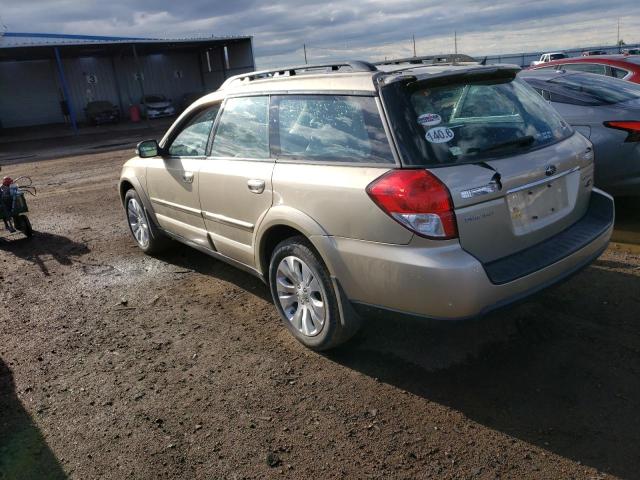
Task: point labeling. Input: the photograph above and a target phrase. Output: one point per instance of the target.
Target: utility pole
(455, 42)
(414, 45)
(618, 41)
(304, 46)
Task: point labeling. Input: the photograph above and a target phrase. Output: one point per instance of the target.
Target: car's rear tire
(304, 295)
(145, 233)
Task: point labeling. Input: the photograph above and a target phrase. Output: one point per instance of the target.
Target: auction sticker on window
(439, 135)
(429, 119)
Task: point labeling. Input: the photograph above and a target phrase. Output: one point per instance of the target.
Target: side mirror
(148, 148)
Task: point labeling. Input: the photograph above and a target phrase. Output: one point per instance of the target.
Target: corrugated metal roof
(16, 39)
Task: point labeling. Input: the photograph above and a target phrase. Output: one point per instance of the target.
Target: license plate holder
(533, 207)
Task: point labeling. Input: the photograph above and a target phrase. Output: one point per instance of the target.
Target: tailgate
(541, 193)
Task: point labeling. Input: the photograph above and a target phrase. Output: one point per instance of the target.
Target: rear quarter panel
(335, 197)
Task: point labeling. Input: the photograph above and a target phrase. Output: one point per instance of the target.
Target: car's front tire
(148, 237)
(304, 295)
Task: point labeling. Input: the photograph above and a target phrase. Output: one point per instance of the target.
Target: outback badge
(550, 170)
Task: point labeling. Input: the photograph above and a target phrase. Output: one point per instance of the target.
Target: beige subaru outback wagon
(437, 191)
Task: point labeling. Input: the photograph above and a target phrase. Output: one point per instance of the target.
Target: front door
(172, 180)
(235, 180)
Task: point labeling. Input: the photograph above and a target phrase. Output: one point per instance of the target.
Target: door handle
(255, 186)
(187, 177)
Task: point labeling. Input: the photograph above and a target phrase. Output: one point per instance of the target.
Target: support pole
(65, 91)
(223, 60)
(141, 82)
(304, 46)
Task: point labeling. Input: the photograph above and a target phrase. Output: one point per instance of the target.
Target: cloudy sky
(367, 29)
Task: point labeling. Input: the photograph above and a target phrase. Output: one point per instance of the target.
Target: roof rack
(355, 66)
(449, 58)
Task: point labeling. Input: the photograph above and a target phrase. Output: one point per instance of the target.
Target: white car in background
(547, 57)
(157, 105)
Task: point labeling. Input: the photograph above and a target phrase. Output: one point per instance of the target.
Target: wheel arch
(127, 182)
(279, 224)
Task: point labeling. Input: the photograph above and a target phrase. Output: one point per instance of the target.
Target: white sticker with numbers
(439, 135)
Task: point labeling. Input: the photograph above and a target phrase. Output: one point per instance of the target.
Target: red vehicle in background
(625, 67)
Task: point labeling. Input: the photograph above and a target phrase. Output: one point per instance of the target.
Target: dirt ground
(116, 365)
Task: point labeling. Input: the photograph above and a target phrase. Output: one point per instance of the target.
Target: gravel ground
(116, 365)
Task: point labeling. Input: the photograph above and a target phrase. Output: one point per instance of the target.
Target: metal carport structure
(49, 78)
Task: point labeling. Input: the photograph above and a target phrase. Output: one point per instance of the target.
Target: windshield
(471, 121)
(602, 90)
(557, 56)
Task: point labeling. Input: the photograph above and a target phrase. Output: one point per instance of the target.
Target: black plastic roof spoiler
(475, 72)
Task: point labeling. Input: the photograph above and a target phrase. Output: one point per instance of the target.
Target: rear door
(235, 179)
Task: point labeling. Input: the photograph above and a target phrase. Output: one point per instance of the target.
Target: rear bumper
(442, 281)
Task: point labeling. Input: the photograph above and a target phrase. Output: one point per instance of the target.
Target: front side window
(243, 130)
(337, 128)
(451, 123)
(586, 67)
(192, 140)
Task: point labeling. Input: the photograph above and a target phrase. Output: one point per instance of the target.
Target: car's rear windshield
(557, 56)
(599, 89)
(469, 121)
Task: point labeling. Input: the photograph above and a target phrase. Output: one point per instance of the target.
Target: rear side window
(453, 123)
(586, 67)
(243, 129)
(192, 140)
(619, 72)
(337, 128)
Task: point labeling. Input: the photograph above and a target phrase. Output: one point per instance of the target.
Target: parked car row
(151, 106)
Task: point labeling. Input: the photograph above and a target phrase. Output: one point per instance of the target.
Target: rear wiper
(516, 142)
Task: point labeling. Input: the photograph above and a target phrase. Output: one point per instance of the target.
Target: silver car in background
(157, 105)
(607, 112)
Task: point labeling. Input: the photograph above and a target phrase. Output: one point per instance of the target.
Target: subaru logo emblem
(550, 170)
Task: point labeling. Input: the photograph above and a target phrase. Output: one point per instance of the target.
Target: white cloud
(369, 29)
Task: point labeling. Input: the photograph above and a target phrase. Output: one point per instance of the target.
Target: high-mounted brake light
(630, 126)
(418, 200)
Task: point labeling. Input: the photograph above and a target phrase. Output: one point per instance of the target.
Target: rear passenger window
(243, 129)
(618, 72)
(335, 128)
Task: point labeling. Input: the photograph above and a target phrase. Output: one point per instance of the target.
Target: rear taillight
(630, 126)
(418, 200)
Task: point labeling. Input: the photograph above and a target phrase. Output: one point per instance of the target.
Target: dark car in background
(188, 99)
(625, 67)
(102, 111)
(607, 112)
(157, 105)
(590, 53)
